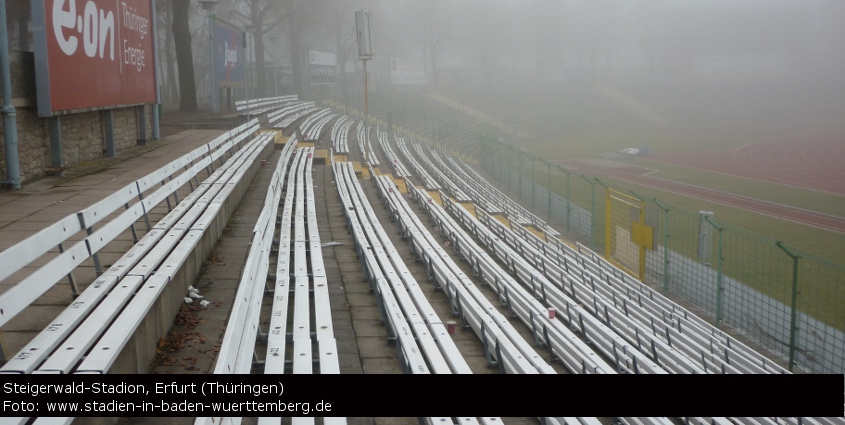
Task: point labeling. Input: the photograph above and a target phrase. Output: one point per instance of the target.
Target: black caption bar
(414, 395)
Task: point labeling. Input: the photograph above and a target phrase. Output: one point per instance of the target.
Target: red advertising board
(93, 54)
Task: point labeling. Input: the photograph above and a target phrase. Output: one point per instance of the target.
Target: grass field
(750, 254)
(667, 139)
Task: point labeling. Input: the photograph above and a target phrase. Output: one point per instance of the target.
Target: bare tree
(184, 55)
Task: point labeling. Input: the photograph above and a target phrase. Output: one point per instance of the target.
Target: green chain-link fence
(789, 301)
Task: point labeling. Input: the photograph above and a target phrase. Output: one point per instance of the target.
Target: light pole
(247, 79)
(365, 53)
(209, 5)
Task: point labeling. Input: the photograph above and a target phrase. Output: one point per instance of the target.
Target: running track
(633, 174)
(811, 161)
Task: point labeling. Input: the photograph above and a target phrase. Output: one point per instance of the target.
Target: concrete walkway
(25, 212)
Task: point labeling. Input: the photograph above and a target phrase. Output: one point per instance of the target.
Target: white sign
(407, 71)
(322, 58)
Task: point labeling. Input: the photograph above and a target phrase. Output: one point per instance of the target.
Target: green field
(667, 138)
(749, 251)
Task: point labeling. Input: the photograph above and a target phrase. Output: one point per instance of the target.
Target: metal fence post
(719, 288)
(519, 158)
(533, 182)
(793, 320)
(592, 212)
(549, 193)
(665, 244)
(568, 202)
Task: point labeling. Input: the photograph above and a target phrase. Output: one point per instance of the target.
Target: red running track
(632, 174)
(811, 161)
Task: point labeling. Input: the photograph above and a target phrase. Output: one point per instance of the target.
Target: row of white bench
(504, 347)
(340, 134)
(365, 146)
(562, 291)
(114, 325)
(312, 121)
(422, 340)
(563, 343)
(616, 349)
(399, 169)
(288, 342)
(606, 291)
(317, 129)
(144, 191)
(640, 321)
(419, 171)
(278, 115)
(473, 182)
(437, 169)
(492, 199)
(259, 106)
(284, 118)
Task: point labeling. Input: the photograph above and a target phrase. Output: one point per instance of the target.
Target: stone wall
(83, 134)
(83, 138)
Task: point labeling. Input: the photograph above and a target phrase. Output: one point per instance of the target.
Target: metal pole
(592, 212)
(533, 183)
(665, 245)
(10, 125)
(793, 320)
(366, 115)
(142, 125)
(719, 288)
(156, 107)
(214, 94)
(519, 158)
(549, 192)
(568, 203)
(109, 123)
(248, 79)
(57, 159)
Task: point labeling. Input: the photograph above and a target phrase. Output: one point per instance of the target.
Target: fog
(692, 62)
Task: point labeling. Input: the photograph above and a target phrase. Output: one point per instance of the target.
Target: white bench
(503, 344)
(30, 288)
(259, 106)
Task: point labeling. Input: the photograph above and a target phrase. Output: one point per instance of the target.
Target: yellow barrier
(626, 233)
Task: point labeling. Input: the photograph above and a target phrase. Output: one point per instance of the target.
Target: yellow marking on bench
(400, 184)
(567, 243)
(321, 156)
(469, 206)
(436, 195)
(502, 219)
(340, 158)
(305, 145)
(537, 232)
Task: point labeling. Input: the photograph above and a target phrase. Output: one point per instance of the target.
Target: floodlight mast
(365, 53)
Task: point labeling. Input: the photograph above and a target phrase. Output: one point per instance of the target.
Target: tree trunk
(296, 61)
(184, 56)
(260, 70)
(172, 93)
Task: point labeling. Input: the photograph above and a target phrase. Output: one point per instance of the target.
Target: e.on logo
(95, 26)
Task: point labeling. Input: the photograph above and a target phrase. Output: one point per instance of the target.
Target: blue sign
(228, 55)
